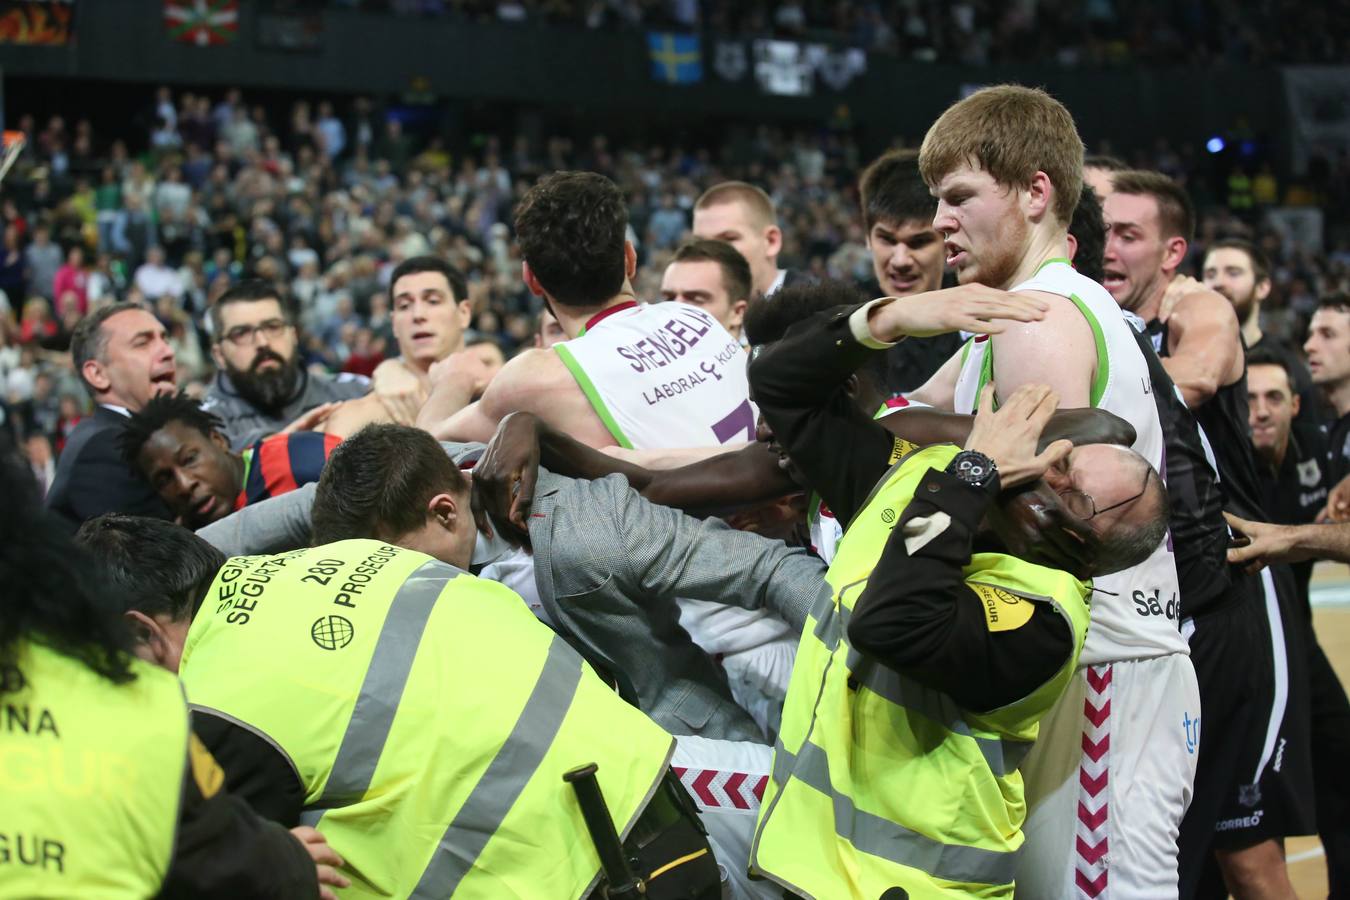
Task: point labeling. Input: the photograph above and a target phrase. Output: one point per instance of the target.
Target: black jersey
(1199, 534)
(1297, 491)
(1338, 450)
(1224, 419)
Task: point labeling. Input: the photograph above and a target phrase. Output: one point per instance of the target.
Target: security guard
(105, 792)
(956, 621)
(423, 719)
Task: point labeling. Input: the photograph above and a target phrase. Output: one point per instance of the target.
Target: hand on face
(1010, 436)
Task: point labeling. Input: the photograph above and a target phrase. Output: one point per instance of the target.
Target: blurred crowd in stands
(1082, 32)
(328, 201)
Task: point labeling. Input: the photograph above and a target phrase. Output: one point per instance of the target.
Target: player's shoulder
(525, 378)
(531, 366)
(1207, 303)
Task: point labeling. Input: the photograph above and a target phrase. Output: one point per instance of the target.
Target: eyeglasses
(1084, 507)
(242, 335)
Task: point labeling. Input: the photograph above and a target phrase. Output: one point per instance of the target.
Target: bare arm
(671, 458)
(1204, 352)
(400, 390)
(454, 381)
(537, 382)
(1270, 544)
(353, 415)
(1080, 426)
(1058, 351)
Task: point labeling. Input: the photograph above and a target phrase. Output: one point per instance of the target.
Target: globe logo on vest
(332, 632)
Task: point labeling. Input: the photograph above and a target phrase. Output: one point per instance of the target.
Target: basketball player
(1254, 700)
(1111, 776)
(666, 375)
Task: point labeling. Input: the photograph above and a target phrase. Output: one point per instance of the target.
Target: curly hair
(769, 319)
(54, 593)
(571, 227)
(1089, 231)
(160, 411)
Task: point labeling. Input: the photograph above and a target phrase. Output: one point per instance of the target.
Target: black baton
(622, 883)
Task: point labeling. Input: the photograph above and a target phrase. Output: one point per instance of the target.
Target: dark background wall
(602, 77)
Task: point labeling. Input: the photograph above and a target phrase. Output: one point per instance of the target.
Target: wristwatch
(974, 468)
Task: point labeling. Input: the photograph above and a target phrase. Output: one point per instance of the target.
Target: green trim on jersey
(1102, 375)
(587, 388)
(1057, 259)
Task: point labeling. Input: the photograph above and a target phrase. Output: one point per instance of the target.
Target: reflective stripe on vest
(879, 781)
(373, 716)
(1004, 755)
(507, 774)
(429, 717)
(889, 840)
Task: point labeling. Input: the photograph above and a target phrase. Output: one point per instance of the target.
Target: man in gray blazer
(608, 566)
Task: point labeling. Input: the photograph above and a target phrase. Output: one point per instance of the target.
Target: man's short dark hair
(736, 277)
(892, 191)
(1260, 263)
(250, 290)
(1105, 162)
(160, 411)
(459, 288)
(161, 568)
(768, 319)
(1089, 231)
(571, 227)
(1265, 355)
(1176, 212)
(377, 483)
(89, 341)
(1335, 302)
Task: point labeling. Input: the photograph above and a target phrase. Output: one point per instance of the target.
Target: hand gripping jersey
(1124, 622)
(662, 376)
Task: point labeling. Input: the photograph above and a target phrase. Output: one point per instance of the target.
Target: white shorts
(755, 648)
(726, 780)
(758, 680)
(1108, 783)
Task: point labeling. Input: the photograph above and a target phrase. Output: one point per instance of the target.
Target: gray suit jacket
(609, 565)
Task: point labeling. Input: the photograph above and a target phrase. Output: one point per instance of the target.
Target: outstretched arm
(1270, 544)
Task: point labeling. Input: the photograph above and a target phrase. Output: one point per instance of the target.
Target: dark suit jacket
(92, 478)
(910, 363)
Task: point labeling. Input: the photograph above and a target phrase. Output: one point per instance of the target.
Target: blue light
(1214, 145)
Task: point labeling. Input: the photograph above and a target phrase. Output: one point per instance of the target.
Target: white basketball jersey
(1121, 385)
(662, 376)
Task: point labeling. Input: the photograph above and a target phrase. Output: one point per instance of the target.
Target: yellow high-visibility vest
(91, 777)
(880, 782)
(427, 713)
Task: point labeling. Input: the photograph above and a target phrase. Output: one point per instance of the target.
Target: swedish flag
(676, 58)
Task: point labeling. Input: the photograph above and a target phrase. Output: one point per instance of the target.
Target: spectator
(42, 258)
(37, 324)
(155, 279)
(72, 279)
(12, 278)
